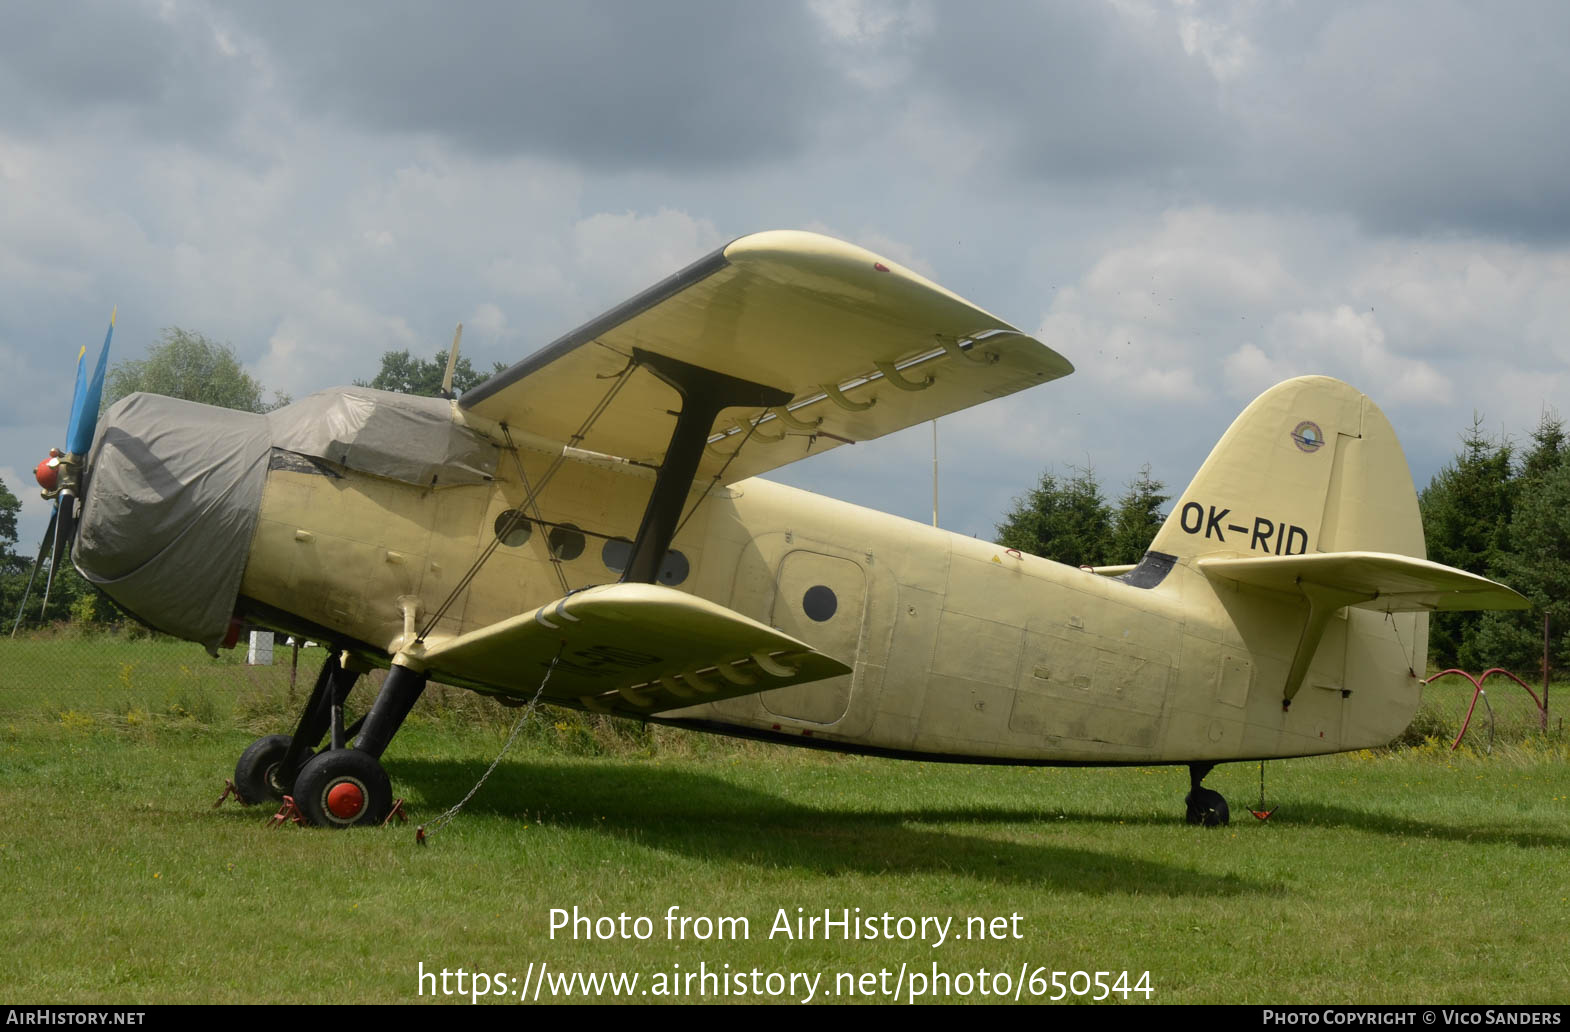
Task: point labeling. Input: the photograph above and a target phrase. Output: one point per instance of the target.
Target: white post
(260, 652)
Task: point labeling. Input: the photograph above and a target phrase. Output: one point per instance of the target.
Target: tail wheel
(340, 788)
(1207, 807)
(259, 775)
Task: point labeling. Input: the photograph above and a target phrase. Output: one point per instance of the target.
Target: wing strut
(704, 393)
(1323, 602)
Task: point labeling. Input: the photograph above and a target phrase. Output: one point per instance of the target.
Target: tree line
(1502, 510)
(1068, 519)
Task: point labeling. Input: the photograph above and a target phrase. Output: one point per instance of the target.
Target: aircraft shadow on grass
(1307, 815)
(1500, 832)
(706, 817)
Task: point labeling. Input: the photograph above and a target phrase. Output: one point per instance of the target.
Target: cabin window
(674, 569)
(566, 542)
(819, 603)
(513, 528)
(616, 554)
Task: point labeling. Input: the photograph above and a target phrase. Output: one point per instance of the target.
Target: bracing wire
(529, 499)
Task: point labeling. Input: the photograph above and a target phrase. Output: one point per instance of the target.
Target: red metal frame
(1477, 689)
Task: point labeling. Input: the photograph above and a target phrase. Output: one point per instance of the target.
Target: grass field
(1409, 876)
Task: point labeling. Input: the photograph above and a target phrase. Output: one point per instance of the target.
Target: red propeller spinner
(48, 472)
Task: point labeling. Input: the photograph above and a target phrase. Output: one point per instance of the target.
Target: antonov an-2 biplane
(591, 519)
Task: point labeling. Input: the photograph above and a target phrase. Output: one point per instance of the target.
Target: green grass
(1419, 875)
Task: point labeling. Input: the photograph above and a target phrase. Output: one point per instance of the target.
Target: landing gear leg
(340, 787)
(400, 692)
(268, 768)
(1205, 805)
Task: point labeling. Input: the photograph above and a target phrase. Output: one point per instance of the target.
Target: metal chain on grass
(424, 831)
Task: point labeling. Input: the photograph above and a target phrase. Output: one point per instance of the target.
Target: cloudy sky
(1189, 200)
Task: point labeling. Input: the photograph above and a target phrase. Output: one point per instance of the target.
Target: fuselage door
(820, 599)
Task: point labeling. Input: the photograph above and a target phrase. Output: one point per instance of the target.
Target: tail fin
(1311, 465)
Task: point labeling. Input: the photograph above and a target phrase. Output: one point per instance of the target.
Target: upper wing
(863, 346)
(629, 648)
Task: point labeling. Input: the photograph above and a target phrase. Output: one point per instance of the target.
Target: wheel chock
(396, 811)
(229, 790)
(286, 813)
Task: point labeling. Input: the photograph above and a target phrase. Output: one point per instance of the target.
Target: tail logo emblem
(1307, 436)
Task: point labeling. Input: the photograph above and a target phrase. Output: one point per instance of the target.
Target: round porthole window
(616, 554)
(566, 542)
(819, 602)
(513, 529)
(674, 569)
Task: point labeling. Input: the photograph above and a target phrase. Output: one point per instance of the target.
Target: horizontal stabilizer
(629, 648)
(1370, 580)
(1379, 581)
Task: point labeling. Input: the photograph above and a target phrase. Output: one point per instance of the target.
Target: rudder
(1311, 465)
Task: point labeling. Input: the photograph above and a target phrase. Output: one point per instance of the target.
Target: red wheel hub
(345, 800)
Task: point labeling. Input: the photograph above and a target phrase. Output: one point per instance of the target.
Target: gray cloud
(1075, 91)
(1411, 118)
(1415, 118)
(708, 82)
(76, 68)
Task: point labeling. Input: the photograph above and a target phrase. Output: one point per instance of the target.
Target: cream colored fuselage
(960, 649)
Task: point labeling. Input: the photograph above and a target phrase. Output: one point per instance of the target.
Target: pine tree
(1467, 509)
(1064, 520)
(1537, 563)
(1136, 520)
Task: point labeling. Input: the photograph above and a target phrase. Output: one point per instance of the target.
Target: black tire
(258, 776)
(340, 788)
(1207, 807)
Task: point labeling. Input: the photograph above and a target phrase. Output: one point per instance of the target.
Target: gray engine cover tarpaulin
(172, 497)
(398, 436)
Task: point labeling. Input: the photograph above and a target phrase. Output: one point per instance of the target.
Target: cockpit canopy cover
(397, 436)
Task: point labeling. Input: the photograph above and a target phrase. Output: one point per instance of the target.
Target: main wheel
(343, 787)
(259, 775)
(1206, 806)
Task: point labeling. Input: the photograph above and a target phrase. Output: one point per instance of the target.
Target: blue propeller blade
(76, 395)
(43, 549)
(84, 407)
